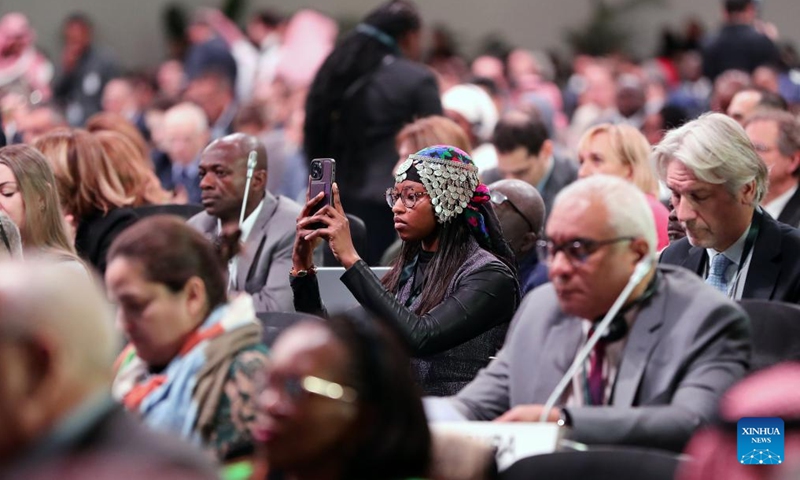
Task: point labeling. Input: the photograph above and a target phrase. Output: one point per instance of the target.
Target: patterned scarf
(179, 398)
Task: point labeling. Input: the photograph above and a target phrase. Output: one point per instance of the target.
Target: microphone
(251, 167)
(639, 272)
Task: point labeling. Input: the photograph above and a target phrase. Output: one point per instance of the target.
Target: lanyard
(749, 243)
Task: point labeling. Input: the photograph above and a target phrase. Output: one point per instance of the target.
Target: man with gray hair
(658, 371)
(10, 239)
(186, 134)
(57, 346)
(776, 137)
(717, 181)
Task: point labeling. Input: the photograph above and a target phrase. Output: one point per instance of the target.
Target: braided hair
(335, 105)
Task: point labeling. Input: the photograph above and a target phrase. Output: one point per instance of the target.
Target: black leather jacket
(451, 342)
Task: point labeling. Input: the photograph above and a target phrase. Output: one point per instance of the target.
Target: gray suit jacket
(687, 346)
(264, 264)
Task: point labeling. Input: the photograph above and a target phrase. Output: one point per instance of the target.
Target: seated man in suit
(776, 136)
(262, 268)
(717, 181)
(58, 419)
(655, 377)
(520, 209)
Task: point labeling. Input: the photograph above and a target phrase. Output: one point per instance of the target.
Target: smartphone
(323, 174)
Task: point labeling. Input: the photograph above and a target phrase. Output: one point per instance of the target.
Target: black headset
(618, 327)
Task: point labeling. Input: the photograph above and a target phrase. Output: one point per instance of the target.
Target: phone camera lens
(316, 170)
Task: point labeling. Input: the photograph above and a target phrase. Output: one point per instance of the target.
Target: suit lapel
(253, 245)
(695, 260)
(790, 214)
(765, 266)
(642, 338)
(560, 349)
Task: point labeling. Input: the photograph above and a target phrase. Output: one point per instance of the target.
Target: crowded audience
(619, 279)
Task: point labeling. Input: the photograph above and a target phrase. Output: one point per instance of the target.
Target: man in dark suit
(268, 230)
(58, 419)
(83, 72)
(525, 152)
(520, 209)
(738, 45)
(657, 374)
(717, 181)
(213, 92)
(776, 136)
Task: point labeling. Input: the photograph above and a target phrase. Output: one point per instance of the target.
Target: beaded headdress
(448, 175)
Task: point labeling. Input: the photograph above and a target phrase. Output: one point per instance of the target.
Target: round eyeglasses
(294, 387)
(407, 195)
(577, 250)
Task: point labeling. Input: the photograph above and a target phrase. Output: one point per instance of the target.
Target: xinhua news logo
(760, 441)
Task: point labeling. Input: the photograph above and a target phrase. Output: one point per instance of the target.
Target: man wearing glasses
(776, 137)
(656, 374)
(520, 209)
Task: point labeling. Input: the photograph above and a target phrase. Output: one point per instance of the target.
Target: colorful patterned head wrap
(451, 179)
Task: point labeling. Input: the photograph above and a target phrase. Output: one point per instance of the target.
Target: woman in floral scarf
(193, 355)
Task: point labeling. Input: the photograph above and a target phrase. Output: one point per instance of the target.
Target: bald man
(186, 134)
(262, 268)
(521, 212)
(55, 403)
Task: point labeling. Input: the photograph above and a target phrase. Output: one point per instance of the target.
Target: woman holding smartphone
(452, 290)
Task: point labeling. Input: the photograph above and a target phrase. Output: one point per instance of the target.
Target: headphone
(618, 327)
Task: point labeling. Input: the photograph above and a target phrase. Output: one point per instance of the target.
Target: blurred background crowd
(219, 129)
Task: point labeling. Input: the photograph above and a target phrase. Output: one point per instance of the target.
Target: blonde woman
(138, 181)
(90, 189)
(428, 131)
(28, 195)
(622, 151)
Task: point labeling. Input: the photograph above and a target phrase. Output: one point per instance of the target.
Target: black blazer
(565, 171)
(790, 215)
(96, 232)
(774, 272)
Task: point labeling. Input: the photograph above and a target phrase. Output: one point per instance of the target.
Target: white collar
(248, 223)
(734, 252)
(776, 206)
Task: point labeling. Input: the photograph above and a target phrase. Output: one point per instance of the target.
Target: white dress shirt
(246, 227)
(734, 276)
(775, 207)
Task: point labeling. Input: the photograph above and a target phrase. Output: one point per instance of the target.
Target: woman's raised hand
(335, 228)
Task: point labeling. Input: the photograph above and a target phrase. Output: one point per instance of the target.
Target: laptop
(335, 295)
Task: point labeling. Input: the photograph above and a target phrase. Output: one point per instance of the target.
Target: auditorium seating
(775, 331)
